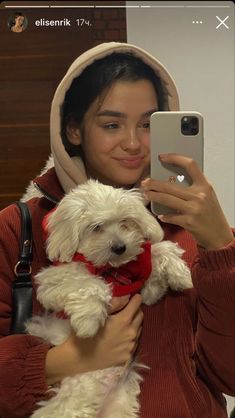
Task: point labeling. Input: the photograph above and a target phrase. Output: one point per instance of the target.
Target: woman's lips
(133, 162)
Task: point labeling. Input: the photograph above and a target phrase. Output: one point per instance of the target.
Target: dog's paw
(168, 268)
(87, 324)
(89, 313)
(181, 279)
(153, 291)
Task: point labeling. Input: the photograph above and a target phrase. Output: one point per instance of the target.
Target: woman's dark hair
(17, 14)
(94, 80)
(13, 18)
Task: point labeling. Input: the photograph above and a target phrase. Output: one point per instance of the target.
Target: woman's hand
(196, 207)
(113, 345)
(118, 303)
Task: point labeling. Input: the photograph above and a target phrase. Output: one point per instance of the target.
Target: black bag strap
(22, 285)
(26, 246)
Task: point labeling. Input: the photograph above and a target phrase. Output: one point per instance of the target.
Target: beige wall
(201, 60)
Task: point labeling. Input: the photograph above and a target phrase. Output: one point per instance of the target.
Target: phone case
(168, 135)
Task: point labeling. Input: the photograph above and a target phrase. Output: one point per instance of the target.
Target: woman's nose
(131, 139)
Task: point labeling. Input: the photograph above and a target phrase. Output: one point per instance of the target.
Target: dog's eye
(128, 224)
(97, 228)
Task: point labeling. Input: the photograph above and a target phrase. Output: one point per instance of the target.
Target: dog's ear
(148, 223)
(63, 232)
(151, 228)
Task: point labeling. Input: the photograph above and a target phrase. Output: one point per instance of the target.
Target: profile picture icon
(17, 22)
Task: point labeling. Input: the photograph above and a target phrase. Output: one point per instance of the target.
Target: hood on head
(71, 170)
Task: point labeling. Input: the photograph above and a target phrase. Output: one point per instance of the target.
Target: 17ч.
(83, 22)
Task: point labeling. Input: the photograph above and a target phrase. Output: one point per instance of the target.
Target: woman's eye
(146, 125)
(110, 126)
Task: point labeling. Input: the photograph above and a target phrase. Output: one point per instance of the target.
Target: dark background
(32, 64)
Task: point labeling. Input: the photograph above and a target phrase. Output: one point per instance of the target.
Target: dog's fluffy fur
(91, 220)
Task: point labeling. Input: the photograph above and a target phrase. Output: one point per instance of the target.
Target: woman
(18, 26)
(100, 129)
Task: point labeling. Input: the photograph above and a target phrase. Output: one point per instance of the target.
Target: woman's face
(116, 134)
(19, 20)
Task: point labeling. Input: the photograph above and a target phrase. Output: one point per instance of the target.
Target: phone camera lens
(189, 125)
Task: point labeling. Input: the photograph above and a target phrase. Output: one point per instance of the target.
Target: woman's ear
(73, 133)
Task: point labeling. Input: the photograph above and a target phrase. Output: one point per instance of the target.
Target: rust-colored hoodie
(188, 338)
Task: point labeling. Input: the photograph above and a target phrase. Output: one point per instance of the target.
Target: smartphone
(174, 132)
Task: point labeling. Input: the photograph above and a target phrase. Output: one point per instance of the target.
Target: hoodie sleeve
(22, 357)
(214, 278)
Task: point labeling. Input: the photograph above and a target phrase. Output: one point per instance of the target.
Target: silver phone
(175, 132)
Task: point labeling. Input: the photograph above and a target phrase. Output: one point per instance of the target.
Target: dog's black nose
(118, 248)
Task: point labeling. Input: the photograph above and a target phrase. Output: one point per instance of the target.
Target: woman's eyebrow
(124, 115)
(112, 113)
(149, 113)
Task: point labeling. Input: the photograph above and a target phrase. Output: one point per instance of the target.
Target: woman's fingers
(152, 185)
(118, 303)
(195, 207)
(132, 309)
(185, 193)
(187, 163)
(168, 200)
(183, 200)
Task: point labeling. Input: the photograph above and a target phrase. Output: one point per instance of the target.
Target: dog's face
(105, 224)
(114, 241)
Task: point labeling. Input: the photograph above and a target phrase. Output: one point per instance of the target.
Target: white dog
(104, 242)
